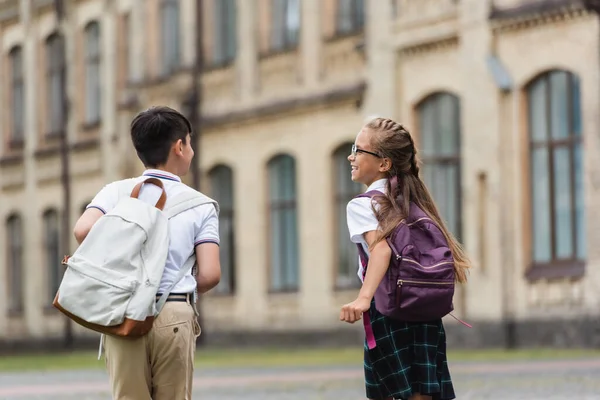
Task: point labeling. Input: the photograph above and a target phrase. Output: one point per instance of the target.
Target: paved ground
(565, 379)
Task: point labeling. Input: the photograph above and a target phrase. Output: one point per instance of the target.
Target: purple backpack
(419, 283)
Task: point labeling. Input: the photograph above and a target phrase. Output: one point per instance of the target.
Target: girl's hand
(352, 312)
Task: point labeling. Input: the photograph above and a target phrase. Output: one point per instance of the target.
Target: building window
(52, 252)
(17, 96)
(225, 32)
(14, 232)
(170, 44)
(283, 241)
(350, 16)
(285, 23)
(345, 190)
(221, 183)
(56, 85)
(93, 73)
(556, 167)
(439, 128)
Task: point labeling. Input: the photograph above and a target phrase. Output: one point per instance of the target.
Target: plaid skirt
(409, 358)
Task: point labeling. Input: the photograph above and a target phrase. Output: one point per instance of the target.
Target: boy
(160, 364)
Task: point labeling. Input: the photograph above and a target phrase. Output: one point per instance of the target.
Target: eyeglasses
(356, 150)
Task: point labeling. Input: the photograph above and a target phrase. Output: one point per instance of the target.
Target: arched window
(52, 251)
(93, 73)
(170, 30)
(17, 105)
(556, 165)
(345, 190)
(283, 219)
(55, 84)
(439, 130)
(221, 183)
(14, 251)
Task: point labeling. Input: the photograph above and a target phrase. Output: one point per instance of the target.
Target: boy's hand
(352, 312)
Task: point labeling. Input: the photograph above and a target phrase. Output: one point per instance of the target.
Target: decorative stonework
(13, 176)
(218, 88)
(556, 293)
(419, 13)
(278, 72)
(527, 16)
(450, 43)
(9, 11)
(47, 170)
(343, 58)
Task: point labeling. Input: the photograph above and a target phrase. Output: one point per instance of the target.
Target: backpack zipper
(401, 281)
(422, 266)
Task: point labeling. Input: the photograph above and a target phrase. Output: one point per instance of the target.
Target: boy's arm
(85, 222)
(209, 266)
(103, 202)
(206, 243)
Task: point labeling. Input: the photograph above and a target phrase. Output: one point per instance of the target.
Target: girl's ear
(385, 165)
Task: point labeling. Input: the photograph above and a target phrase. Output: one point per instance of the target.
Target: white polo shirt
(361, 219)
(186, 230)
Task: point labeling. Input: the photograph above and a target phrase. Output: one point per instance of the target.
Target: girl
(409, 361)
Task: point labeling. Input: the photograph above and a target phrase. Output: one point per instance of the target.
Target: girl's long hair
(390, 140)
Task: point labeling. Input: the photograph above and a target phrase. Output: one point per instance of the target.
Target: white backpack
(112, 279)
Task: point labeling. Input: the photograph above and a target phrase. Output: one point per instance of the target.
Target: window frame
(55, 70)
(438, 158)
(280, 26)
(15, 278)
(17, 83)
(93, 60)
(226, 212)
(341, 198)
(52, 247)
(555, 267)
(357, 18)
(276, 163)
(170, 66)
(225, 33)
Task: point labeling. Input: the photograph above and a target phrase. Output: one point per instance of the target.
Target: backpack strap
(180, 203)
(187, 266)
(370, 194)
(187, 200)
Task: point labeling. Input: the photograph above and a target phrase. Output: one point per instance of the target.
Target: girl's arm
(379, 260)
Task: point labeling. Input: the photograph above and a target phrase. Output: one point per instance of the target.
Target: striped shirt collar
(157, 173)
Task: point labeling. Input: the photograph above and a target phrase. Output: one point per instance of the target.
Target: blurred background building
(502, 97)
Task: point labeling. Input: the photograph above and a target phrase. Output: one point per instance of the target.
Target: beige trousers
(160, 365)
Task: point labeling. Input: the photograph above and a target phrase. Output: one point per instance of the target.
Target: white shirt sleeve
(206, 225)
(361, 219)
(106, 199)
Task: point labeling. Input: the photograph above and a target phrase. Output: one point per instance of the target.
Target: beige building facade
(501, 96)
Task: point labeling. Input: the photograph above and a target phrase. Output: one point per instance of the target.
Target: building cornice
(9, 11)
(540, 13)
(333, 96)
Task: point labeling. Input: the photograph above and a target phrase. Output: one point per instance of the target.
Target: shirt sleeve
(207, 225)
(106, 199)
(361, 219)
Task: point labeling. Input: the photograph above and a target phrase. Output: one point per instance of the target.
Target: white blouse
(361, 219)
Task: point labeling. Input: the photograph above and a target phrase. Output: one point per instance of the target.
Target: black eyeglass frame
(356, 150)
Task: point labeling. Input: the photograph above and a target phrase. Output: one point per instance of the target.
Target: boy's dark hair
(154, 131)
